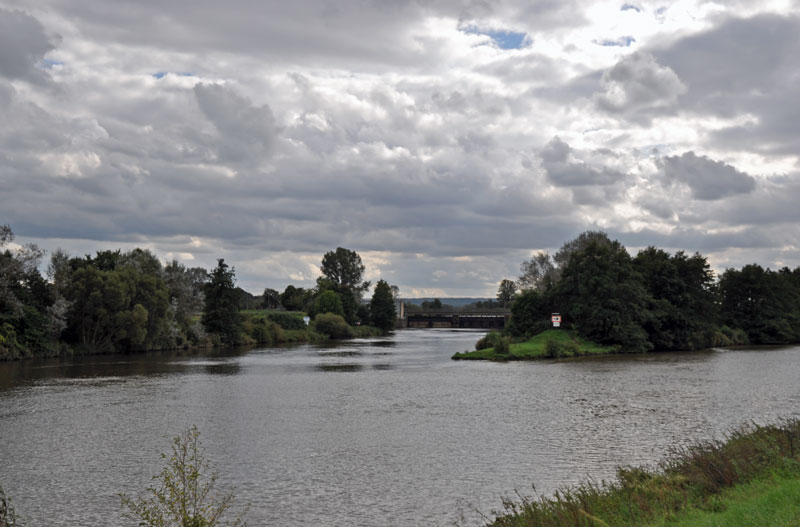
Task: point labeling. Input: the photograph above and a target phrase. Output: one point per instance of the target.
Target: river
(371, 432)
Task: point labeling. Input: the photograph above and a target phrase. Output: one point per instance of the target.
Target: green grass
(752, 478)
(568, 342)
(771, 501)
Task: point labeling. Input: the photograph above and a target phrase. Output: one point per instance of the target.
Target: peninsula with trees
(611, 302)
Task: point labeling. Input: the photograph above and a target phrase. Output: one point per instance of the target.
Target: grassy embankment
(750, 479)
(553, 343)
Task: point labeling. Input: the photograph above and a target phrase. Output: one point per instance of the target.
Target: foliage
(343, 267)
(539, 273)
(270, 299)
(502, 345)
(693, 481)
(487, 341)
(602, 294)
(328, 302)
(506, 292)
(221, 311)
(682, 307)
(105, 316)
(382, 311)
(334, 326)
(432, 305)
(184, 494)
(8, 516)
(763, 303)
(530, 314)
(294, 298)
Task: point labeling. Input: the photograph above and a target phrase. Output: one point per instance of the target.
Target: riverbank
(553, 343)
(259, 327)
(751, 478)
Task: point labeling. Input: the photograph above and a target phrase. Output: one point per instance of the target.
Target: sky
(445, 141)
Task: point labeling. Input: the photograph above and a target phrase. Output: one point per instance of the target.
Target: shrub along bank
(751, 478)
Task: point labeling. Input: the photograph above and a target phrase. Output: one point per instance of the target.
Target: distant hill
(454, 301)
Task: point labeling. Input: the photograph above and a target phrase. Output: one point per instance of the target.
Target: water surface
(372, 432)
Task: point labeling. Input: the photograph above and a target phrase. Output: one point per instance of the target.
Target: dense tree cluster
(113, 301)
(119, 301)
(654, 300)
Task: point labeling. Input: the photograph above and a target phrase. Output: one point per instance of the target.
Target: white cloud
(280, 131)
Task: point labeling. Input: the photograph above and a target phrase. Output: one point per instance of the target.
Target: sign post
(556, 319)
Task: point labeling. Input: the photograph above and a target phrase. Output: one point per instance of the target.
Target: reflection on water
(385, 431)
(339, 367)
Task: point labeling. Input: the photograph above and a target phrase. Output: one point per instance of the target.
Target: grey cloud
(565, 170)
(637, 85)
(245, 131)
(739, 68)
(708, 179)
(23, 44)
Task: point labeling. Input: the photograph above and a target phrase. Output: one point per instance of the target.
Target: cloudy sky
(443, 140)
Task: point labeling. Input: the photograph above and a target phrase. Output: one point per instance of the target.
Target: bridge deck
(457, 319)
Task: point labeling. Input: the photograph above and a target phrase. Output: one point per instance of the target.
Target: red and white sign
(556, 320)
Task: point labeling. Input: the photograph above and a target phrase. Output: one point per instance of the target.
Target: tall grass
(690, 478)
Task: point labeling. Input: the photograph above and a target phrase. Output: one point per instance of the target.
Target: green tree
(382, 309)
(538, 273)
(270, 299)
(602, 295)
(294, 298)
(343, 271)
(432, 305)
(221, 310)
(328, 302)
(104, 315)
(184, 494)
(506, 292)
(343, 267)
(763, 303)
(682, 307)
(530, 314)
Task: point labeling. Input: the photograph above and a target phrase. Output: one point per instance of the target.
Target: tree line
(119, 301)
(652, 301)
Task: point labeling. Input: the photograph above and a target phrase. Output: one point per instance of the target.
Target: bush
(334, 326)
(553, 349)
(571, 349)
(487, 341)
(502, 345)
(184, 494)
(287, 321)
(328, 302)
(266, 332)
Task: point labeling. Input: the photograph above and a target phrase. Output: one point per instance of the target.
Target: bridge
(456, 319)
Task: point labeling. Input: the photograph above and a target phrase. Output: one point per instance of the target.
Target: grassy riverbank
(751, 478)
(553, 343)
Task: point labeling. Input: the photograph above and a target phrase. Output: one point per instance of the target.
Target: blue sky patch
(630, 7)
(161, 74)
(47, 64)
(503, 39)
(622, 42)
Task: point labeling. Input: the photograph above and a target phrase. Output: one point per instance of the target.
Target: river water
(370, 432)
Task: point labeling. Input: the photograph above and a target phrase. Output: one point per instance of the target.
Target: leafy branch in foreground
(8, 518)
(184, 495)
